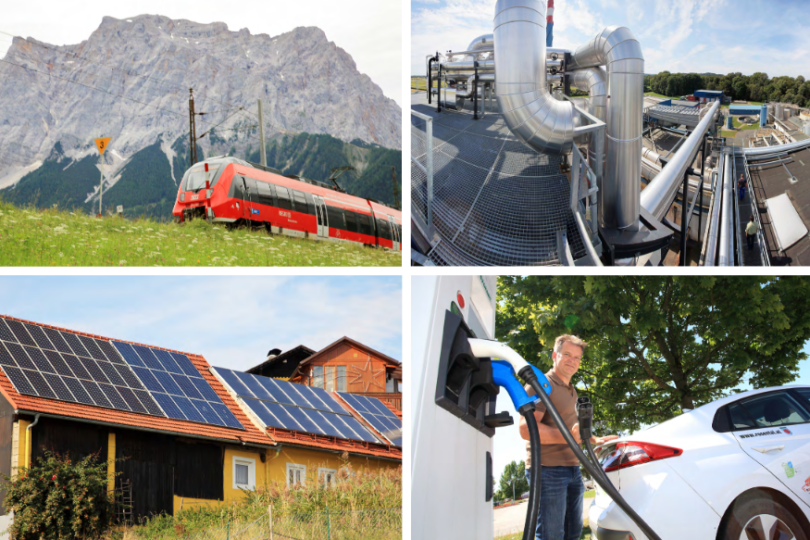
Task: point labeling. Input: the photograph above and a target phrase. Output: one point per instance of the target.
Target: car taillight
(631, 453)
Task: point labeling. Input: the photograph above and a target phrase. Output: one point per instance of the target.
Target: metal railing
(740, 256)
(580, 170)
(427, 168)
(763, 246)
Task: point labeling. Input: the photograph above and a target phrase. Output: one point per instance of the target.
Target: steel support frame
(428, 167)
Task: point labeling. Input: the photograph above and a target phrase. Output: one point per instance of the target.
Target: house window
(296, 474)
(330, 379)
(341, 379)
(392, 386)
(327, 477)
(317, 376)
(244, 473)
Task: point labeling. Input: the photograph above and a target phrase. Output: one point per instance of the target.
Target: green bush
(57, 499)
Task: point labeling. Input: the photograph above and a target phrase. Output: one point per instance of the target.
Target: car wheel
(761, 517)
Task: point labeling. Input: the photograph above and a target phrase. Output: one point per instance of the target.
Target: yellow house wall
(274, 469)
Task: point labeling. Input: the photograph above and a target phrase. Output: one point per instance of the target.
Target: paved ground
(511, 519)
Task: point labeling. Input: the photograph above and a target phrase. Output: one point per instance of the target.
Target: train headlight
(182, 197)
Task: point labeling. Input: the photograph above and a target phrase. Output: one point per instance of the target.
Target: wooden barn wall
(148, 463)
(199, 471)
(75, 440)
(6, 433)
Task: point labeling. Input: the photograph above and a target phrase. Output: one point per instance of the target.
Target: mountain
(130, 81)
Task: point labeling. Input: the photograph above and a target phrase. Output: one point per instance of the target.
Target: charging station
(451, 442)
(460, 370)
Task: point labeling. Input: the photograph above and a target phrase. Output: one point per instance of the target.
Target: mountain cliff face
(144, 67)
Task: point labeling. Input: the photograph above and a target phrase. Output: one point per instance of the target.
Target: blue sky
(232, 321)
(718, 36)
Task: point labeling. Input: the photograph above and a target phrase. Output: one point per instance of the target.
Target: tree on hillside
(660, 345)
(517, 470)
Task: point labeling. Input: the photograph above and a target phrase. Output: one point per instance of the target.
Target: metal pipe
(619, 194)
(593, 81)
(28, 440)
(657, 197)
(727, 225)
(532, 114)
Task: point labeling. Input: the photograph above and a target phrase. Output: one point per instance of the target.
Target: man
(560, 516)
(741, 186)
(751, 232)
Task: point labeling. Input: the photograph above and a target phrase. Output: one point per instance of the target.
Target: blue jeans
(561, 492)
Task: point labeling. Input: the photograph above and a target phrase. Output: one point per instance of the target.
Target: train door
(320, 213)
(395, 239)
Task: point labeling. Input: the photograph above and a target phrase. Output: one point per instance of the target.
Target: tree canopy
(517, 470)
(756, 87)
(659, 345)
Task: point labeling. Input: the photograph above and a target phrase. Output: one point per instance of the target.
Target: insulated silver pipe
(532, 114)
(727, 226)
(619, 194)
(657, 197)
(651, 155)
(482, 43)
(593, 81)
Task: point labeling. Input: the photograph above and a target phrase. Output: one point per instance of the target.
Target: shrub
(57, 499)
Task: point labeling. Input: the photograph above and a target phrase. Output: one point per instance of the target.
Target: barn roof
(251, 435)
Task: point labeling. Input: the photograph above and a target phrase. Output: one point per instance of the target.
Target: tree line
(756, 87)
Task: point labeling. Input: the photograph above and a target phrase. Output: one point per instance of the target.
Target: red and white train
(230, 190)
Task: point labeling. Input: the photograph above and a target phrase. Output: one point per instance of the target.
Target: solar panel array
(64, 366)
(177, 386)
(59, 365)
(281, 404)
(378, 415)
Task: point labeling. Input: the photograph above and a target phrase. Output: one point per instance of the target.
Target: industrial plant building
(508, 171)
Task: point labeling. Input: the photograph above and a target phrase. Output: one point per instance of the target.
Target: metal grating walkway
(496, 202)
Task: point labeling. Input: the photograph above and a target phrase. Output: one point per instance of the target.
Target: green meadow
(51, 237)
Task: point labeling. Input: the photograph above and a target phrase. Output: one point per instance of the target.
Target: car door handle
(769, 448)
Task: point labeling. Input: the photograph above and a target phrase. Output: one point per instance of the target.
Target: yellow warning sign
(102, 144)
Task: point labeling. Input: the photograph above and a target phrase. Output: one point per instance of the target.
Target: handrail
(763, 246)
(428, 167)
(576, 174)
(740, 256)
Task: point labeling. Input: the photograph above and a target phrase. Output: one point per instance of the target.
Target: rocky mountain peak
(129, 80)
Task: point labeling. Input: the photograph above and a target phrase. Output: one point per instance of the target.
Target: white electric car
(734, 469)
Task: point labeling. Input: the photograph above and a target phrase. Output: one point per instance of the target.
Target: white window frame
(297, 467)
(323, 471)
(251, 465)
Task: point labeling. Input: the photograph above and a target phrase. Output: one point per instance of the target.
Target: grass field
(654, 94)
(739, 125)
(729, 134)
(31, 237)
(590, 494)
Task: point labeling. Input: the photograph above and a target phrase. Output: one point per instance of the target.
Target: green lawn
(739, 125)
(729, 134)
(31, 237)
(590, 494)
(654, 94)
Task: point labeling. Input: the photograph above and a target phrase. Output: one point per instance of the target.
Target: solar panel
(378, 415)
(177, 386)
(52, 364)
(49, 363)
(285, 405)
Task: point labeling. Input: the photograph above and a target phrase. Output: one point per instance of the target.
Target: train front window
(194, 179)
